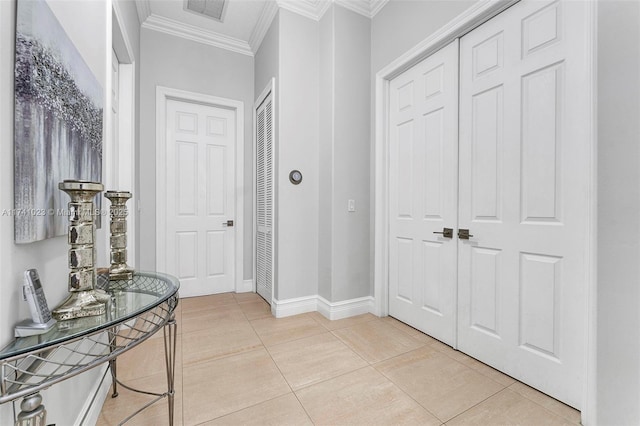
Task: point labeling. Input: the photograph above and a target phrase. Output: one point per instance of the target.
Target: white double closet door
(490, 134)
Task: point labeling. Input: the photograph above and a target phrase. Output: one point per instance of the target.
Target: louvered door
(264, 199)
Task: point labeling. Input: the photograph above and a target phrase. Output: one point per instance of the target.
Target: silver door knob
(227, 223)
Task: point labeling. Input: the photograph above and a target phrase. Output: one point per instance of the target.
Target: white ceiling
(245, 22)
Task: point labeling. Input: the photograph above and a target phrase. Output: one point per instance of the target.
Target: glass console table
(138, 308)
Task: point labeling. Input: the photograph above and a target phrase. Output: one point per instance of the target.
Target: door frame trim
(270, 89)
(164, 94)
(460, 25)
(476, 15)
(127, 128)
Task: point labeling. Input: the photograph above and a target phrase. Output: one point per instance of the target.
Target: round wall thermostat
(295, 177)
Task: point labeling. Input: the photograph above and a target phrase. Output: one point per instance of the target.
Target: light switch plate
(351, 206)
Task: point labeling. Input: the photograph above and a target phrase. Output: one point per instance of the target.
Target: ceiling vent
(209, 8)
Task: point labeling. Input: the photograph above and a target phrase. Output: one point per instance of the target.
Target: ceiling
(245, 22)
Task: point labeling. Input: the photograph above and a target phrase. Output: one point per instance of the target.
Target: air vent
(210, 8)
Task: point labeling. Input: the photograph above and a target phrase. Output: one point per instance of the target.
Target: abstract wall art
(58, 123)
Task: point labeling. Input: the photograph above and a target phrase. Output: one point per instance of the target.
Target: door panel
(264, 199)
(524, 182)
(423, 174)
(200, 197)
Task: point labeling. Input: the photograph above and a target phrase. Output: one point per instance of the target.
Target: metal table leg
(112, 364)
(170, 331)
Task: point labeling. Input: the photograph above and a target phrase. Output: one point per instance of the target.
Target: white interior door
(524, 182)
(264, 199)
(200, 197)
(423, 173)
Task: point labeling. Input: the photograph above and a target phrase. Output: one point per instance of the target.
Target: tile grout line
(286, 341)
(255, 349)
(540, 405)
(408, 394)
(475, 405)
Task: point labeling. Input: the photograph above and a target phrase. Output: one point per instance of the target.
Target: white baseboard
(93, 406)
(299, 305)
(331, 310)
(345, 308)
(246, 286)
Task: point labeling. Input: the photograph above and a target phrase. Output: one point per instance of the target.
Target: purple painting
(58, 123)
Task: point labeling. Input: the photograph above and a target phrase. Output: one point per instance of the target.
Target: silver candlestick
(119, 270)
(85, 300)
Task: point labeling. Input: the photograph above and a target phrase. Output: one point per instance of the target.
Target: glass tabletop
(129, 298)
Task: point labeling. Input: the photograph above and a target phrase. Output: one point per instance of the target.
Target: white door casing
(124, 178)
(524, 184)
(199, 188)
(423, 174)
(264, 137)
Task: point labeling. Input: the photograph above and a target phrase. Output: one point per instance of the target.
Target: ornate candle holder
(119, 270)
(85, 300)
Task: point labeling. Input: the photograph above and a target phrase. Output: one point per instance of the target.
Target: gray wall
(64, 402)
(186, 65)
(351, 237)
(326, 52)
(345, 61)
(618, 300)
(298, 208)
(267, 58)
(402, 24)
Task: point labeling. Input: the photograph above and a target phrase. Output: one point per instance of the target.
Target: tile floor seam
(254, 405)
(304, 408)
(328, 332)
(287, 341)
(330, 378)
(477, 371)
(278, 367)
(475, 405)
(243, 408)
(371, 363)
(408, 394)
(540, 405)
(216, 358)
(244, 314)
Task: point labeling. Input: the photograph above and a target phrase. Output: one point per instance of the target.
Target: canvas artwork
(58, 123)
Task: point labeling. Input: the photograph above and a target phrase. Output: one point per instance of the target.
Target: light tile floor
(237, 365)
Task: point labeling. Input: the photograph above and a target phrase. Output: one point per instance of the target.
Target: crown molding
(376, 6)
(262, 26)
(315, 9)
(361, 7)
(197, 34)
(144, 10)
(323, 8)
(312, 9)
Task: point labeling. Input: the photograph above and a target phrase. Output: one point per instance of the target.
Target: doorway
(510, 277)
(199, 171)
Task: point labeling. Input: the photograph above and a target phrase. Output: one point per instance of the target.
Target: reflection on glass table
(137, 309)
